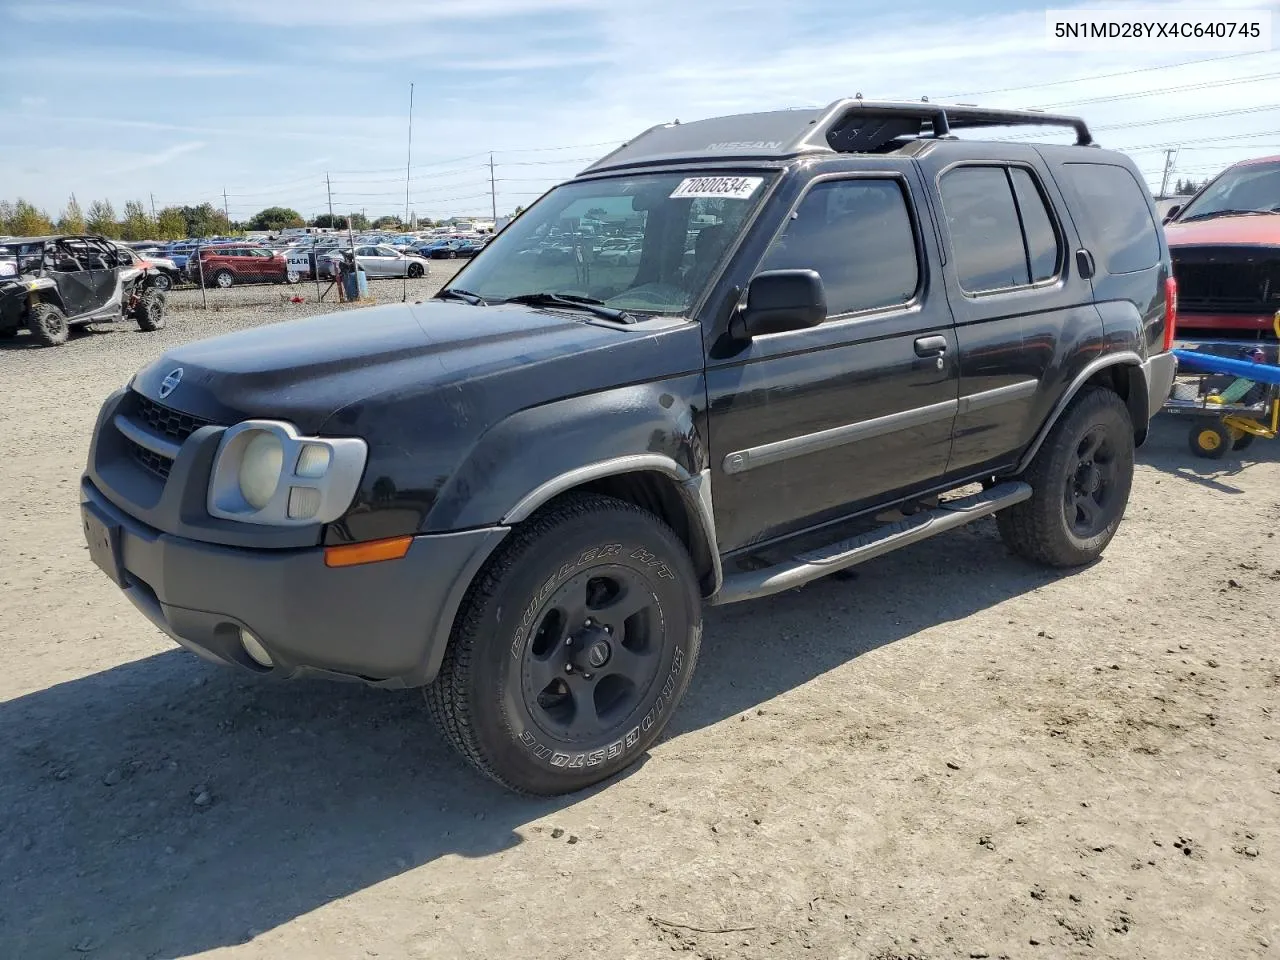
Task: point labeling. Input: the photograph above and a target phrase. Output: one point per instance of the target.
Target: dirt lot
(951, 754)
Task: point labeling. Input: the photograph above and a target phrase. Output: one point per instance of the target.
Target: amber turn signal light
(373, 551)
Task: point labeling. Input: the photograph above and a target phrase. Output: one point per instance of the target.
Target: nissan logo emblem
(170, 382)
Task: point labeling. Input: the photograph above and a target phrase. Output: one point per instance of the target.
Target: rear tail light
(1170, 312)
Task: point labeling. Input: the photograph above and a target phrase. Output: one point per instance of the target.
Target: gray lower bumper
(386, 623)
(1159, 372)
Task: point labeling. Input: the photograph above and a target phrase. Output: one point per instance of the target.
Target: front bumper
(383, 623)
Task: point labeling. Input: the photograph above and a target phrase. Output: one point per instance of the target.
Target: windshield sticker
(738, 188)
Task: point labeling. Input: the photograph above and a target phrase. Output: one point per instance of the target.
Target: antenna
(408, 166)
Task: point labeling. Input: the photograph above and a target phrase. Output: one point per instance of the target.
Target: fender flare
(694, 489)
(1124, 358)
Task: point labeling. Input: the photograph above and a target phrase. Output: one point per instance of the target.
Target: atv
(68, 281)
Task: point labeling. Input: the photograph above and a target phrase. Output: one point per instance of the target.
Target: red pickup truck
(1225, 243)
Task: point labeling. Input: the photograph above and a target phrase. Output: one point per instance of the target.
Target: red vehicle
(1225, 243)
(229, 264)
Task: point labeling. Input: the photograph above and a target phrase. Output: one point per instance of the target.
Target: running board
(813, 564)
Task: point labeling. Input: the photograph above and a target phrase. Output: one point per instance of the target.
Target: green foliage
(388, 222)
(171, 224)
(275, 218)
(102, 219)
(24, 219)
(339, 221)
(137, 224)
(72, 219)
(205, 221)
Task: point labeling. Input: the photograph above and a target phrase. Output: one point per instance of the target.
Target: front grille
(1227, 279)
(173, 425)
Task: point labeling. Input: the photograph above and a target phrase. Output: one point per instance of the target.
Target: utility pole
(493, 193)
(153, 206)
(1169, 157)
(329, 190)
(226, 212)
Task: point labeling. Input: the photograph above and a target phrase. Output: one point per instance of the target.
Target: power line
(1206, 85)
(1102, 76)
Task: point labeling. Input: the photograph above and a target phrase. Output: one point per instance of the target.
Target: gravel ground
(949, 755)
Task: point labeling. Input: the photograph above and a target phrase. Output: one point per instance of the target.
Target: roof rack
(851, 125)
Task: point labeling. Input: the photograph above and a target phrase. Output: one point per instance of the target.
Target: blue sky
(122, 99)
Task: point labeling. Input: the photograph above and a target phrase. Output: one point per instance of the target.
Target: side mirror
(781, 300)
(1173, 212)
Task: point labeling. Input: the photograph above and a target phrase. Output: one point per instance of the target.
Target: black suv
(68, 281)
(520, 494)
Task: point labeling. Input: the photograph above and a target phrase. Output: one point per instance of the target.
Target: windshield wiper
(591, 305)
(1226, 213)
(472, 298)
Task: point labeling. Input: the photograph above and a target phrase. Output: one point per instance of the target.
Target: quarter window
(1118, 216)
(1037, 225)
(857, 234)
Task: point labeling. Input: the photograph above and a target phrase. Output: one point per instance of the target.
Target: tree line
(23, 219)
(1185, 188)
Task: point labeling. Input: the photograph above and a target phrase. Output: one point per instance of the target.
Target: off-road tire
(1243, 441)
(1037, 529)
(149, 313)
(478, 699)
(48, 325)
(8, 333)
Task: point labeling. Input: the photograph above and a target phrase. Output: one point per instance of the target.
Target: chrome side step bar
(813, 564)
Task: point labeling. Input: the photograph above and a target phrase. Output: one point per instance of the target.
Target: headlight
(260, 468)
(265, 472)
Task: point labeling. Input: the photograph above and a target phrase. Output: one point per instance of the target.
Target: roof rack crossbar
(941, 119)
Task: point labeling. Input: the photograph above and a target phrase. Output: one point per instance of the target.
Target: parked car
(226, 265)
(69, 281)
(1226, 253)
(380, 261)
(521, 493)
(165, 275)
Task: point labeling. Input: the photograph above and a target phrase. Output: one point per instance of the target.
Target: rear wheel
(1210, 438)
(48, 325)
(150, 310)
(292, 277)
(1080, 480)
(162, 282)
(572, 648)
(1243, 441)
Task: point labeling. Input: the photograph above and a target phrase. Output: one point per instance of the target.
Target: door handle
(931, 346)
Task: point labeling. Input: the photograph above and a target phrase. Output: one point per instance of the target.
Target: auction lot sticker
(737, 188)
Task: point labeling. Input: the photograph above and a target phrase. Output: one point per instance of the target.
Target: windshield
(673, 228)
(1251, 188)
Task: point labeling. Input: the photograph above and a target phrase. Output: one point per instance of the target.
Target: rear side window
(1001, 230)
(857, 234)
(1114, 206)
(985, 234)
(1037, 225)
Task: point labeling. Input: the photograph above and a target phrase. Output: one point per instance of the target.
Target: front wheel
(162, 282)
(415, 271)
(292, 277)
(572, 648)
(224, 279)
(1080, 481)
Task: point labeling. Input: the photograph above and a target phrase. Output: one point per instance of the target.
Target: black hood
(308, 370)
